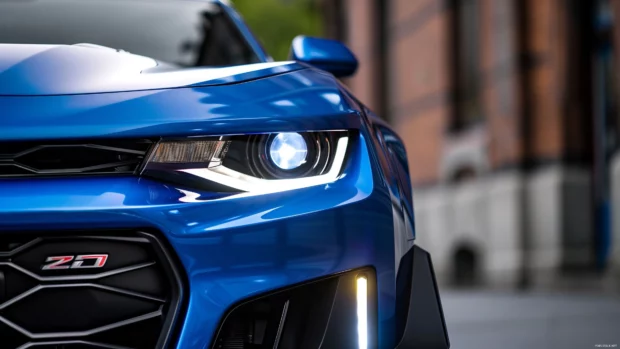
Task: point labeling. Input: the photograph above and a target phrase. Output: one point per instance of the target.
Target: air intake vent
(19, 159)
(85, 291)
(317, 314)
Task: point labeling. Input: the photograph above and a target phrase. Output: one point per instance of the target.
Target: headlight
(288, 151)
(252, 163)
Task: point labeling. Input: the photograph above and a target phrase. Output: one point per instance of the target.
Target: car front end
(147, 206)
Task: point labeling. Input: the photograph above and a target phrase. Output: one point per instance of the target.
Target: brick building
(507, 108)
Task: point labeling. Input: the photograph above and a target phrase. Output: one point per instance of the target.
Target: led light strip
(240, 181)
(362, 312)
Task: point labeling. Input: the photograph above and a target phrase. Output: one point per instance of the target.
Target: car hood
(298, 100)
(36, 70)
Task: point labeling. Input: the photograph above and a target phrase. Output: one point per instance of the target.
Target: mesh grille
(19, 159)
(94, 305)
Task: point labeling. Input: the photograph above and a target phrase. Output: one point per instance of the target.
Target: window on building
(466, 63)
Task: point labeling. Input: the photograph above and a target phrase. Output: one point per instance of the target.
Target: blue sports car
(165, 184)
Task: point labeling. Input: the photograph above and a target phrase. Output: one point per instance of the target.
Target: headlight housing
(251, 163)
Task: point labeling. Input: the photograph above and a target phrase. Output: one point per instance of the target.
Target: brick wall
(361, 29)
(500, 76)
(546, 46)
(419, 82)
(530, 210)
(514, 51)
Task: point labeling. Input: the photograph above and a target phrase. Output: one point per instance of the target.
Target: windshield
(181, 32)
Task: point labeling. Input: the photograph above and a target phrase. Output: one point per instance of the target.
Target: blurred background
(509, 110)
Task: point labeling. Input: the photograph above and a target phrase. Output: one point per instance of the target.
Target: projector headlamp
(251, 163)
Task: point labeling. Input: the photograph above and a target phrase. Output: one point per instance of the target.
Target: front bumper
(235, 248)
(231, 248)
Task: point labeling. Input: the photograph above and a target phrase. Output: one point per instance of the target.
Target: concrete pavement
(489, 320)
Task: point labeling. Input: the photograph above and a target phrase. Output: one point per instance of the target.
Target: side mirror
(329, 55)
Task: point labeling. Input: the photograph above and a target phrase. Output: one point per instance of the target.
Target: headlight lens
(252, 163)
(288, 151)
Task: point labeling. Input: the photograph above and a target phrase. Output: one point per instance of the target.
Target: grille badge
(82, 261)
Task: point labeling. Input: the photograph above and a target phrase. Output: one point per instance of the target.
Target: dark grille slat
(50, 158)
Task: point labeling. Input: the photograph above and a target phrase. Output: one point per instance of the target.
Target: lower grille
(84, 292)
(313, 315)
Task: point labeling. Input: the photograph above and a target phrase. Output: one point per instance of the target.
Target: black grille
(18, 159)
(112, 291)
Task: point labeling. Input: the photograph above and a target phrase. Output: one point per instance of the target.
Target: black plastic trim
(339, 328)
(177, 293)
(426, 326)
(403, 293)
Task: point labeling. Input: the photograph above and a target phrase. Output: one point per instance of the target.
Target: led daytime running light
(243, 182)
(362, 312)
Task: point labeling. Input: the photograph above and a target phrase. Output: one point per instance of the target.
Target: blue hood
(298, 100)
(31, 70)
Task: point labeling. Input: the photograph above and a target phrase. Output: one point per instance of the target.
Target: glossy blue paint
(329, 55)
(30, 70)
(288, 102)
(232, 246)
